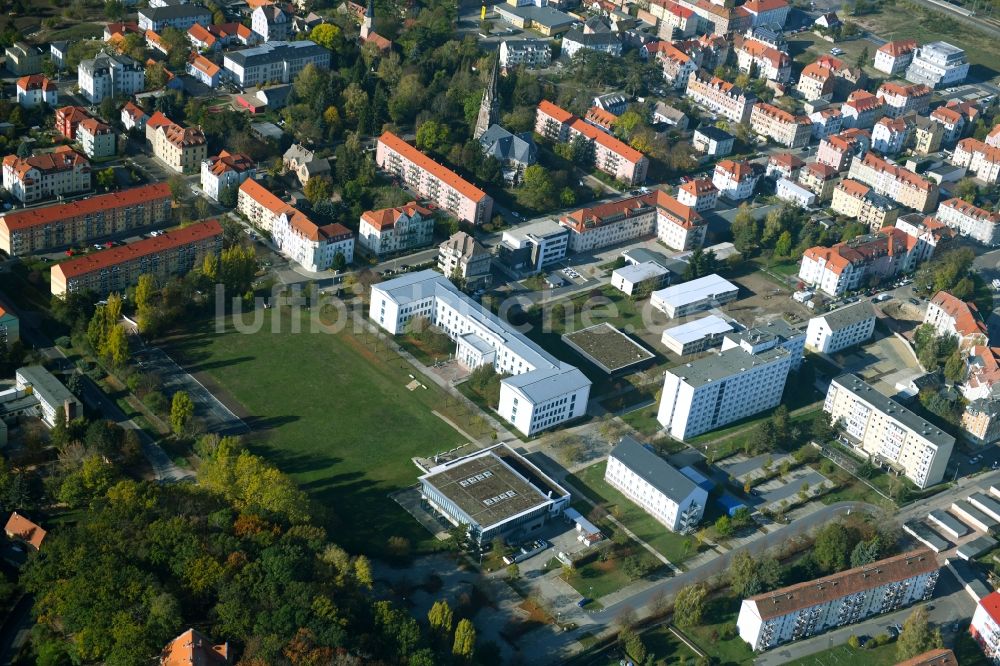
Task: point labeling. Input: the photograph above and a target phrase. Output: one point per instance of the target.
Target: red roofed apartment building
(985, 627)
(392, 230)
(782, 127)
(862, 109)
(171, 253)
(993, 138)
(953, 316)
(979, 158)
(183, 149)
(816, 82)
(68, 118)
(96, 139)
(900, 100)
(133, 117)
(433, 181)
(820, 179)
(204, 70)
(719, 96)
(193, 648)
(19, 528)
(952, 121)
(610, 155)
(768, 62)
(35, 90)
(657, 213)
(63, 171)
(225, 171)
(838, 150)
(201, 38)
(938, 657)
(899, 184)
(895, 57)
(978, 224)
(798, 611)
(736, 180)
(849, 266)
(767, 12)
(36, 230)
(699, 194)
(677, 65)
(258, 205)
(783, 165)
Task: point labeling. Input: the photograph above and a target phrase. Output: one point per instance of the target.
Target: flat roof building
(495, 492)
(700, 294)
(639, 279)
(696, 336)
(839, 329)
(50, 393)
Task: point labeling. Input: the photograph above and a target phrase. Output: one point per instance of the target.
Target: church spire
(489, 110)
(368, 20)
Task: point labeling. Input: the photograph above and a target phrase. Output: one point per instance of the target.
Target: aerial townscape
(584, 332)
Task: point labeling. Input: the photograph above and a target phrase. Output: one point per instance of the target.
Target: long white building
(700, 294)
(273, 61)
(709, 393)
(541, 391)
(765, 335)
(799, 611)
(671, 498)
(841, 328)
(879, 427)
(978, 224)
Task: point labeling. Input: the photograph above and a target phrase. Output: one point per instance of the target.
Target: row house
(862, 109)
(826, 122)
(820, 179)
(894, 57)
(79, 222)
(950, 316)
(225, 172)
(856, 200)
(201, 39)
(736, 180)
(979, 224)
(902, 99)
(434, 181)
(981, 425)
(61, 172)
(816, 82)
(718, 19)
(393, 230)
(777, 124)
(899, 184)
(676, 21)
(230, 34)
(116, 269)
(890, 135)
(259, 205)
(96, 139)
(599, 118)
(35, 90)
(156, 42)
(700, 194)
(762, 60)
(837, 151)
(979, 158)
(952, 121)
(720, 97)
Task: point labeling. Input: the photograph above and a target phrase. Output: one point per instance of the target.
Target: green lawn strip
(643, 420)
(597, 579)
(717, 635)
(333, 414)
(883, 655)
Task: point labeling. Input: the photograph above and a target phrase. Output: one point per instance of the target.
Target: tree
(210, 266)
(689, 605)
(178, 187)
(114, 10)
(106, 178)
(145, 290)
(441, 619)
(538, 187)
(633, 645)
(866, 552)
(465, 640)
(116, 347)
(513, 571)
(23, 150)
(746, 230)
(60, 432)
(363, 571)
(318, 188)
(326, 35)
(783, 247)
(339, 262)
(917, 636)
(748, 576)
(724, 526)
(954, 368)
(156, 76)
(433, 136)
(832, 547)
(967, 189)
(237, 267)
(181, 412)
(228, 196)
(862, 58)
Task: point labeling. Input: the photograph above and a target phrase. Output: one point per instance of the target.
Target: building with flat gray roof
(639, 279)
(937, 65)
(273, 62)
(948, 523)
(841, 328)
(696, 336)
(986, 504)
(531, 247)
(700, 294)
(654, 485)
(50, 392)
(978, 546)
(973, 517)
(765, 335)
(925, 535)
(495, 492)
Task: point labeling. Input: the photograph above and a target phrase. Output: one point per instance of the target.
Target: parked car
(583, 602)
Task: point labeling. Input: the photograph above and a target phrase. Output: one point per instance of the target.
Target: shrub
(157, 402)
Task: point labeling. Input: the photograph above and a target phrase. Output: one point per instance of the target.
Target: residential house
(890, 135)
(894, 57)
(464, 256)
(782, 127)
(838, 150)
(225, 172)
(842, 328)
(193, 647)
(183, 149)
(736, 180)
(862, 109)
(61, 172)
(515, 152)
(96, 139)
(35, 90)
(304, 163)
(699, 194)
(979, 158)
(721, 97)
(392, 230)
(900, 100)
(271, 23)
(22, 530)
(820, 179)
(713, 141)
(899, 184)
(110, 76)
(133, 117)
(979, 224)
(23, 59)
(954, 317)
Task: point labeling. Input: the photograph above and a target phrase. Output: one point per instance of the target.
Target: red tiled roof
(786, 160)
(315, 233)
(33, 217)
(781, 115)
(972, 145)
(203, 64)
(758, 6)
(599, 116)
(226, 161)
(686, 216)
(379, 41)
(192, 648)
(442, 173)
(911, 90)
(966, 315)
(61, 159)
(966, 208)
(898, 47)
(94, 126)
(200, 33)
(820, 170)
(558, 114)
(947, 115)
(134, 111)
(120, 255)
(158, 119)
(761, 51)
(264, 197)
(738, 170)
(386, 218)
(19, 527)
(624, 150)
(592, 217)
(71, 114)
(898, 173)
(862, 100)
(35, 82)
(183, 137)
(938, 657)
(853, 188)
(698, 187)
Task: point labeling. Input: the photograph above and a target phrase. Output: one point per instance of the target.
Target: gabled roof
(899, 47)
(386, 218)
(19, 527)
(968, 321)
(226, 161)
(442, 173)
(862, 100)
(558, 113)
(27, 218)
(759, 6)
(35, 82)
(600, 117)
(264, 197)
(193, 648)
(93, 126)
(653, 469)
(970, 210)
(200, 33)
(62, 158)
(699, 187)
(738, 170)
(203, 64)
(158, 120)
(183, 137)
(134, 111)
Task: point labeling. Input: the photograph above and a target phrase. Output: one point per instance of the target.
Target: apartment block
(783, 165)
(699, 194)
(110, 76)
(527, 53)
(180, 16)
(22, 58)
(393, 230)
(951, 120)
(540, 391)
(657, 213)
(433, 181)
(696, 336)
(259, 206)
(736, 180)
(928, 135)
(902, 99)
(270, 23)
(826, 122)
(857, 200)
(183, 149)
(890, 135)
(839, 329)
(978, 224)
(820, 179)
(985, 627)
(225, 171)
(862, 109)
(649, 481)
(463, 255)
(677, 65)
(720, 97)
(50, 393)
(315, 247)
(530, 247)
(763, 59)
(899, 184)
(782, 127)
(792, 192)
(876, 425)
(273, 61)
(938, 65)
(114, 270)
(713, 141)
(61, 172)
(96, 139)
(979, 158)
(894, 57)
(799, 611)
(954, 317)
(838, 150)
(35, 90)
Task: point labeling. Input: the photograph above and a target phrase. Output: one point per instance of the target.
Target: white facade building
(528, 53)
(879, 427)
(95, 138)
(766, 335)
(700, 294)
(390, 230)
(790, 191)
(541, 391)
(841, 328)
(274, 61)
(225, 171)
(636, 279)
(736, 180)
(978, 224)
(35, 90)
(938, 65)
(671, 498)
(696, 336)
(270, 23)
(312, 246)
(110, 76)
(985, 627)
(50, 393)
(531, 247)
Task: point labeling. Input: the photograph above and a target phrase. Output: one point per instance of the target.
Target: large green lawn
(336, 416)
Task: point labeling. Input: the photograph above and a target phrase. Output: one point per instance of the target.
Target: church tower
(366, 23)
(489, 110)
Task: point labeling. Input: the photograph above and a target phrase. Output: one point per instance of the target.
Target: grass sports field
(335, 415)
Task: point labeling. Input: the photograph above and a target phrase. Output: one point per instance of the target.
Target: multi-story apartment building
(820, 179)
(273, 61)
(699, 194)
(313, 246)
(899, 184)
(204, 70)
(902, 99)
(857, 200)
(22, 59)
(979, 158)
(530, 247)
(95, 138)
(183, 149)
(602, 41)
(783, 165)
(432, 180)
(50, 393)
(715, 390)
(678, 226)
(862, 109)
(713, 141)
(36, 90)
(978, 224)
(68, 118)
(259, 206)
(527, 53)
(31, 179)
(225, 171)
(777, 124)
(270, 23)
(954, 317)
(927, 136)
(951, 120)
(878, 426)
(806, 609)
(540, 391)
(672, 499)
(839, 329)
(826, 122)
(766, 335)
(609, 155)
(677, 65)
(894, 57)
(985, 627)
(838, 150)
(993, 138)
(466, 257)
(816, 82)
(201, 39)
(736, 180)
(114, 270)
(38, 230)
(765, 61)
(392, 230)
(177, 16)
(938, 65)
(718, 96)
(981, 421)
(110, 76)
(789, 190)
(890, 135)
(847, 266)
(767, 12)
